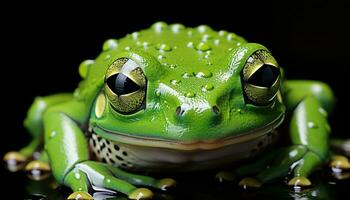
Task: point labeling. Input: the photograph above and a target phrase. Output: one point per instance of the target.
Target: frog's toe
(38, 170)
(141, 193)
(250, 182)
(166, 184)
(14, 161)
(299, 181)
(225, 176)
(340, 162)
(80, 195)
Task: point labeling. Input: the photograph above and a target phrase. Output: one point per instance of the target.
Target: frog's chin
(188, 145)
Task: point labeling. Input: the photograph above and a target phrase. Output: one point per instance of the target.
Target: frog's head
(186, 88)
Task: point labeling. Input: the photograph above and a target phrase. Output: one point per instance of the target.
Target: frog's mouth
(187, 145)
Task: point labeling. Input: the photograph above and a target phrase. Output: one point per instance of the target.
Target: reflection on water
(197, 186)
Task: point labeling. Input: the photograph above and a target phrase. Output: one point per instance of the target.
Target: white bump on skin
(100, 105)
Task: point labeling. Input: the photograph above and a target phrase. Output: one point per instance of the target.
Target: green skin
(62, 119)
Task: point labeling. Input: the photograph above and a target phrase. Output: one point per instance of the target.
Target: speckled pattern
(109, 152)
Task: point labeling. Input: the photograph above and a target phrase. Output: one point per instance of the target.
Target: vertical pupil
(121, 84)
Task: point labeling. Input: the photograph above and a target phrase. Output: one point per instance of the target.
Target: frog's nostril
(179, 111)
(216, 110)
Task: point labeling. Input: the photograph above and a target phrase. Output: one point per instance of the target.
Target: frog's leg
(309, 130)
(163, 184)
(68, 151)
(16, 160)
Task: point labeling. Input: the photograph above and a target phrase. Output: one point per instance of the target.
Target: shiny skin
(196, 72)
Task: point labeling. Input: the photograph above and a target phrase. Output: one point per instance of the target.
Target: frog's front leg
(309, 102)
(69, 156)
(309, 127)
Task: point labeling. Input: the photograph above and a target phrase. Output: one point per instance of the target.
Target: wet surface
(190, 186)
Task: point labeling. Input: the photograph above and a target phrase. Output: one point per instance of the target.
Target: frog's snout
(181, 110)
(207, 114)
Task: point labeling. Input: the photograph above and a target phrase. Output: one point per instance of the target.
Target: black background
(42, 46)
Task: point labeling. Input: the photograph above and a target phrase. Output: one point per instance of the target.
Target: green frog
(173, 99)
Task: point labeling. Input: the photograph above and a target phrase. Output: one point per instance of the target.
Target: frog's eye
(125, 86)
(261, 78)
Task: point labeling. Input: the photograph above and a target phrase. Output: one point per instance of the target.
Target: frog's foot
(141, 193)
(81, 195)
(225, 176)
(299, 181)
(340, 166)
(295, 159)
(340, 162)
(250, 182)
(38, 170)
(15, 160)
(111, 178)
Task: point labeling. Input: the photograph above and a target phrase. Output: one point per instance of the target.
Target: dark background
(42, 46)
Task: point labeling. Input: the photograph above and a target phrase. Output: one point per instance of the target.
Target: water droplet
(159, 26)
(175, 82)
(239, 111)
(53, 134)
(135, 35)
(231, 36)
(323, 111)
(108, 180)
(109, 44)
(172, 66)
(107, 57)
(190, 94)
(203, 28)
(207, 87)
(189, 33)
(163, 47)
(161, 57)
(84, 67)
(190, 44)
(206, 56)
(177, 28)
(206, 37)
(204, 74)
(311, 125)
(158, 93)
(145, 44)
(222, 33)
(77, 175)
(202, 46)
(187, 75)
(127, 48)
(217, 42)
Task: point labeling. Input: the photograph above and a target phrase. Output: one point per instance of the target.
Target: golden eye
(125, 86)
(261, 78)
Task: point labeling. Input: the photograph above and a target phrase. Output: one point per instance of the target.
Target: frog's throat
(191, 145)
